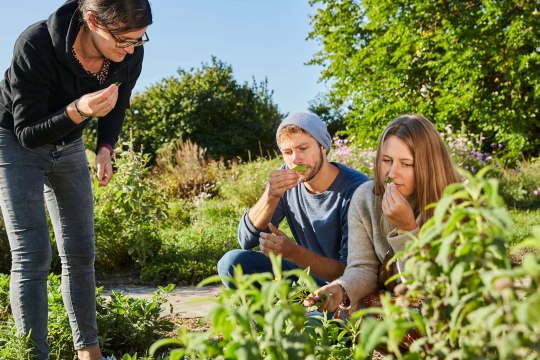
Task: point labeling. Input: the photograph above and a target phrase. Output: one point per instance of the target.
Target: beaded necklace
(102, 74)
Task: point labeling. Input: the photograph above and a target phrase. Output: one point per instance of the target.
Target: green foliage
(185, 170)
(475, 304)
(129, 325)
(60, 338)
(333, 117)
(127, 214)
(190, 253)
(262, 318)
(520, 187)
(12, 345)
(524, 221)
(471, 62)
(245, 182)
(126, 325)
(5, 310)
(5, 255)
(208, 107)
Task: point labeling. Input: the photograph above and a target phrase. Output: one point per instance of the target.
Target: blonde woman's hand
(328, 297)
(397, 209)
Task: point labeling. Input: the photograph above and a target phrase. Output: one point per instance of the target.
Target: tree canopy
(210, 108)
(468, 62)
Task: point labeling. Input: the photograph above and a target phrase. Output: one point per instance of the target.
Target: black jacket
(44, 77)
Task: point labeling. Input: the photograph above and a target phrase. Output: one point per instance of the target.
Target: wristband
(81, 114)
(107, 146)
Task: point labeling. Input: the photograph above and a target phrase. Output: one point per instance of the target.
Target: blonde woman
(412, 168)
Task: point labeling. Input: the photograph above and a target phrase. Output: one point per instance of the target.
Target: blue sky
(258, 38)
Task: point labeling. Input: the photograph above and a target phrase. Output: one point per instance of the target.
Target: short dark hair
(118, 16)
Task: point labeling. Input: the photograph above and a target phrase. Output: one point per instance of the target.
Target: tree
(208, 107)
(332, 116)
(467, 62)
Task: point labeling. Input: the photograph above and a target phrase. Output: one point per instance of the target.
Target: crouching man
(312, 194)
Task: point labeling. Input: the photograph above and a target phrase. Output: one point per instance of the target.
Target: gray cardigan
(370, 237)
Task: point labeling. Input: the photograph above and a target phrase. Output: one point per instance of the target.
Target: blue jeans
(253, 262)
(55, 176)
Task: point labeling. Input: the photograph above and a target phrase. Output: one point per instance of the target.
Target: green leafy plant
(127, 214)
(244, 182)
(5, 309)
(12, 345)
(189, 253)
(474, 303)
(129, 325)
(520, 186)
(197, 102)
(262, 317)
(441, 59)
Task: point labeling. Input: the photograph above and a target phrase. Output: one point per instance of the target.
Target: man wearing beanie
(314, 202)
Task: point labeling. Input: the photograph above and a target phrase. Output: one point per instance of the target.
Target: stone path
(186, 301)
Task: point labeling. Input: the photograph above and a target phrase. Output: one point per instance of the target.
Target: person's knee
(31, 260)
(228, 262)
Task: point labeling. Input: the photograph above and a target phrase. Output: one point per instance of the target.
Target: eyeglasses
(125, 44)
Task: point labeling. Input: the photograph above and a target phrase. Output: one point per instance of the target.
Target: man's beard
(315, 170)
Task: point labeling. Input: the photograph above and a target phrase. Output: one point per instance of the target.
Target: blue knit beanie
(310, 123)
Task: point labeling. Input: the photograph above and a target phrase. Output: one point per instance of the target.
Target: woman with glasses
(65, 71)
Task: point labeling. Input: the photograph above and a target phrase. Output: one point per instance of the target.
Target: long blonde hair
(433, 165)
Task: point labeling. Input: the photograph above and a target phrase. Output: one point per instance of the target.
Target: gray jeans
(55, 176)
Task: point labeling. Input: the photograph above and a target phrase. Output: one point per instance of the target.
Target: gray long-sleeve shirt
(318, 222)
(371, 235)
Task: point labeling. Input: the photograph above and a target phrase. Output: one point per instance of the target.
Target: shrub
(210, 108)
(5, 309)
(475, 304)
(263, 317)
(472, 62)
(129, 325)
(520, 187)
(12, 345)
(354, 156)
(126, 325)
(190, 254)
(185, 170)
(244, 183)
(127, 214)
(466, 149)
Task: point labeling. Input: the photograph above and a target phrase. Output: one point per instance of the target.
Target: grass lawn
(524, 220)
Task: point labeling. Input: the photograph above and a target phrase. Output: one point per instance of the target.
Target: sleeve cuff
(107, 146)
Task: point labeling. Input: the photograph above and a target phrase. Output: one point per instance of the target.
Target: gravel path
(187, 301)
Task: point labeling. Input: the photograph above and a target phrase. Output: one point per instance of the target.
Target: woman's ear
(90, 20)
